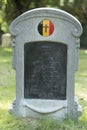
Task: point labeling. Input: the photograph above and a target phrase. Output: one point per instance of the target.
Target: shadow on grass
(8, 122)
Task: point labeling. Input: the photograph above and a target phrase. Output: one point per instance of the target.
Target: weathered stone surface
(45, 63)
(45, 68)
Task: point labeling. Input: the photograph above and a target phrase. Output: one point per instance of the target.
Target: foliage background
(10, 9)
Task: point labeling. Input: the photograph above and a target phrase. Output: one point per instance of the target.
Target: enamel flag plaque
(46, 28)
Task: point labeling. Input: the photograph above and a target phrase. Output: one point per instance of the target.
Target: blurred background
(10, 9)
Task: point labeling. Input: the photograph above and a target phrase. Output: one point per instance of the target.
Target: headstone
(6, 40)
(45, 57)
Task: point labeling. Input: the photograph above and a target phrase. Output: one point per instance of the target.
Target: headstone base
(45, 109)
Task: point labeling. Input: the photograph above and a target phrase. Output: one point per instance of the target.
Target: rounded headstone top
(47, 12)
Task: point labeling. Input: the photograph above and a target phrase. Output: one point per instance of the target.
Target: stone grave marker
(6, 40)
(45, 57)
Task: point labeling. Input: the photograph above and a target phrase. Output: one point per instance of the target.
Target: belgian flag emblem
(46, 28)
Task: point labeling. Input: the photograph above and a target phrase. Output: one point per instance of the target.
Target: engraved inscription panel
(45, 70)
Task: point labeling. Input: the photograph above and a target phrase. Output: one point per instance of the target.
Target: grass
(7, 94)
(81, 78)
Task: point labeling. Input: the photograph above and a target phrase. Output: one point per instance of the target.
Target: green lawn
(7, 94)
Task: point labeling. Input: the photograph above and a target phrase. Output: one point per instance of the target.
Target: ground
(7, 94)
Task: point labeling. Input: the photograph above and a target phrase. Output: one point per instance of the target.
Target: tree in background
(77, 8)
(16, 7)
(3, 22)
